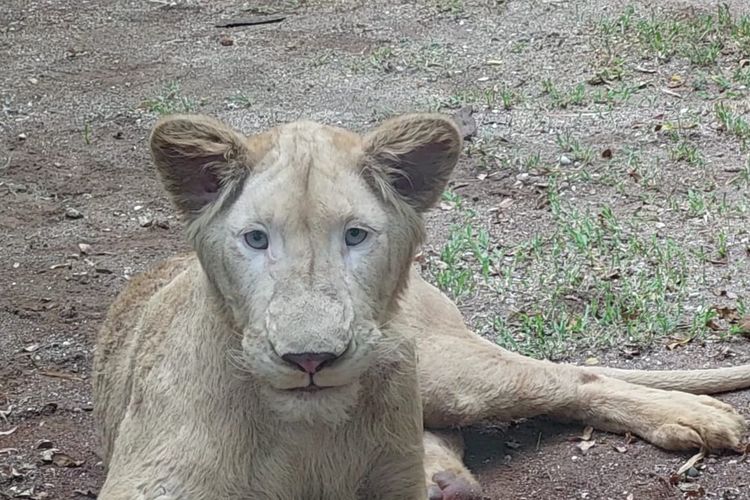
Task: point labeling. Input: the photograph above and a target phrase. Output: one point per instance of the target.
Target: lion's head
(307, 233)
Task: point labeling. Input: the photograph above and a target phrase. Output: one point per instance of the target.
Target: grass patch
(733, 123)
(169, 101)
(698, 38)
(595, 282)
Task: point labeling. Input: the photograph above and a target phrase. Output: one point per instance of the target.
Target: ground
(599, 214)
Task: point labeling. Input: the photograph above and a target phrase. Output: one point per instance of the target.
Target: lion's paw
(686, 421)
(449, 486)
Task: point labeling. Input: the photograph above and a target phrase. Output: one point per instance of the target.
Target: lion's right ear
(196, 157)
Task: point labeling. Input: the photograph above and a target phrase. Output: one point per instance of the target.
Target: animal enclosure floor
(592, 128)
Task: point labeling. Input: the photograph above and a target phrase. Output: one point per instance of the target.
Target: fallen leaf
(607, 153)
(47, 455)
(675, 81)
(588, 431)
(620, 449)
(591, 361)
(744, 326)
(44, 444)
(584, 446)
(691, 490)
(691, 463)
(506, 203)
(63, 460)
(678, 342)
(728, 313)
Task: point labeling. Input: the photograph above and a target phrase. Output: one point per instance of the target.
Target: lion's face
(307, 234)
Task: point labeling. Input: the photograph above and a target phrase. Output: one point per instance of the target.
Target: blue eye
(354, 236)
(257, 239)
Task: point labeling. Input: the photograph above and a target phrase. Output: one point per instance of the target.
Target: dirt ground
(81, 211)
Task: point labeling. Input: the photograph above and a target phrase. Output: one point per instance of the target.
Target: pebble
(33, 81)
(693, 472)
(22, 136)
(145, 220)
(72, 213)
(564, 160)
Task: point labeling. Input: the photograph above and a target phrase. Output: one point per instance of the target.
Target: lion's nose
(310, 362)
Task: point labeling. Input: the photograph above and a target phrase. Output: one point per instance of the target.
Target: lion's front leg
(670, 419)
(467, 380)
(447, 476)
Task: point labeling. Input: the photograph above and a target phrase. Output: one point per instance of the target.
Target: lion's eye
(257, 239)
(354, 236)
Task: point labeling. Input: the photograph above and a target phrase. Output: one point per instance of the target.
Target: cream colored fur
(193, 399)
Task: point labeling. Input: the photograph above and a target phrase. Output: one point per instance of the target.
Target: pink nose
(310, 362)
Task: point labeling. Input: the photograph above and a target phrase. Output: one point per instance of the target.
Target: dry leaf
(620, 449)
(728, 313)
(607, 153)
(678, 342)
(506, 203)
(587, 433)
(744, 325)
(48, 454)
(675, 81)
(585, 445)
(691, 463)
(63, 460)
(591, 361)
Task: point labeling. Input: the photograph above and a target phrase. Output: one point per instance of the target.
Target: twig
(672, 93)
(66, 376)
(250, 21)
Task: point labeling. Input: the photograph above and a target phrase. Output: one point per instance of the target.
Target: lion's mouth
(311, 388)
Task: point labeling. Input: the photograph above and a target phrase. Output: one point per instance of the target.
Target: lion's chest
(313, 464)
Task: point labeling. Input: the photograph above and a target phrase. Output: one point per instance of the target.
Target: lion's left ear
(415, 155)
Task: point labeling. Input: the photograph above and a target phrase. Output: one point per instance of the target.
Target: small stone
(72, 213)
(33, 81)
(692, 472)
(145, 220)
(162, 223)
(84, 248)
(564, 160)
(22, 136)
(16, 265)
(226, 41)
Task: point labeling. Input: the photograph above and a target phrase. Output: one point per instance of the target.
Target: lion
(297, 354)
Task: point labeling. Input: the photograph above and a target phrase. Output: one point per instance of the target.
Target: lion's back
(115, 345)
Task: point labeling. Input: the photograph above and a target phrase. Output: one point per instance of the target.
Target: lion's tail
(709, 381)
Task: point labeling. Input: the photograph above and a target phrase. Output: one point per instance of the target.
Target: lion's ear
(196, 157)
(415, 155)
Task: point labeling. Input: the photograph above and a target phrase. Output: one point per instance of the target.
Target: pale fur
(190, 391)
